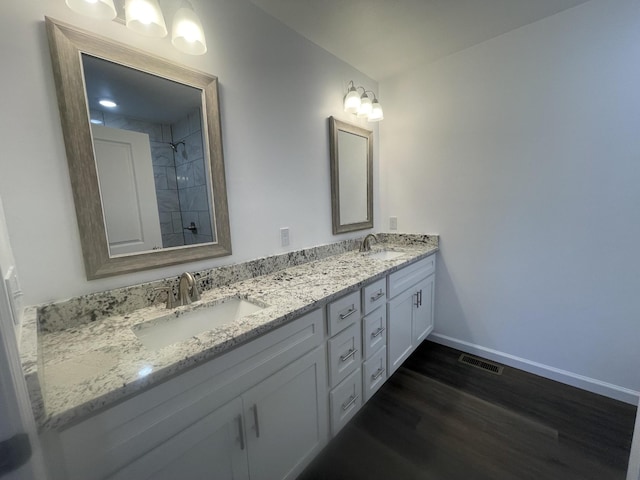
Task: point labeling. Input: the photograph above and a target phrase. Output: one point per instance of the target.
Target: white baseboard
(590, 384)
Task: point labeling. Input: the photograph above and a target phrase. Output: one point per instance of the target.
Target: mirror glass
(351, 176)
(143, 141)
(151, 161)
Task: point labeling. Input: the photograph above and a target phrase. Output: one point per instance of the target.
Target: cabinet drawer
(374, 334)
(399, 281)
(374, 373)
(344, 353)
(343, 312)
(374, 295)
(345, 401)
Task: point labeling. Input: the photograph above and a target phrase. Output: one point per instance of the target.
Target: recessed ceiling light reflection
(108, 103)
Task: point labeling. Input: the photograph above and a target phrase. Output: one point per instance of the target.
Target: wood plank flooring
(438, 419)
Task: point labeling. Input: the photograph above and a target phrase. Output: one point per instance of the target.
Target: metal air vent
(481, 363)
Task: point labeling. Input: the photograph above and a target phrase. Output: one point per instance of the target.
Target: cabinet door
(286, 418)
(399, 328)
(213, 447)
(423, 311)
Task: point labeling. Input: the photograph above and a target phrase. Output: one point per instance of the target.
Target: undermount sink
(180, 325)
(385, 254)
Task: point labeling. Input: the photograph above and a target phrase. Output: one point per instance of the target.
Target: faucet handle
(171, 299)
(193, 284)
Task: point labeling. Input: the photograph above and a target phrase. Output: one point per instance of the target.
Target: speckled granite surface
(82, 366)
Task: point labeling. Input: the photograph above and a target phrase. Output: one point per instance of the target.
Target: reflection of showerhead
(174, 147)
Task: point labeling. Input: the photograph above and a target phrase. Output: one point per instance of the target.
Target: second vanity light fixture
(361, 105)
(145, 17)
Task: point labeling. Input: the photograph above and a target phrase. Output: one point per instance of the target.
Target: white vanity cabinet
(409, 309)
(215, 443)
(270, 432)
(263, 410)
(257, 412)
(285, 419)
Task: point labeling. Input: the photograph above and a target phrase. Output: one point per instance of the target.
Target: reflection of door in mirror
(169, 116)
(123, 159)
(352, 172)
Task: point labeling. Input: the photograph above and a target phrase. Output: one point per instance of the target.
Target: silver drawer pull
(378, 295)
(377, 375)
(378, 332)
(351, 401)
(350, 312)
(348, 355)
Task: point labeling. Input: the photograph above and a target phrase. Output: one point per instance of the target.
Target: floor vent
(480, 363)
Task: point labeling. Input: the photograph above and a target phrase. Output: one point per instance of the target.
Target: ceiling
(139, 95)
(383, 38)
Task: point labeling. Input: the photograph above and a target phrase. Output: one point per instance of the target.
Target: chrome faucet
(187, 290)
(366, 243)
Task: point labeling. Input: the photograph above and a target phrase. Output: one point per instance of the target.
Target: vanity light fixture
(361, 105)
(365, 106)
(146, 17)
(103, 9)
(352, 99)
(187, 34)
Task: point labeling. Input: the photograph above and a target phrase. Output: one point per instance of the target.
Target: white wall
(523, 153)
(276, 92)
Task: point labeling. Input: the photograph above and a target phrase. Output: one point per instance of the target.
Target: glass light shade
(365, 106)
(145, 17)
(352, 101)
(187, 34)
(376, 112)
(102, 9)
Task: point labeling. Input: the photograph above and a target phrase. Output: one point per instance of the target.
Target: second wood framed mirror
(351, 152)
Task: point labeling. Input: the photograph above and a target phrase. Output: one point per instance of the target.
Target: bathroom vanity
(256, 398)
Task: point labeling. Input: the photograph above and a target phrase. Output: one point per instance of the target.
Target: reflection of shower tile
(199, 177)
(188, 237)
(173, 240)
(184, 176)
(166, 226)
(161, 154)
(194, 198)
(160, 177)
(180, 129)
(202, 239)
(176, 220)
(195, 121)
(194, 146)
(172, 181)
(166, 133)
(204, 223)
(167, 200)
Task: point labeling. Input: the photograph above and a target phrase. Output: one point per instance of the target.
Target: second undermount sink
(181, 325)
(385, 254)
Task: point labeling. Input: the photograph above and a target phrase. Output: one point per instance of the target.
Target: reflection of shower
(174, 147)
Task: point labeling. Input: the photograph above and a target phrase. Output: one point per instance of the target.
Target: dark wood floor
(438, 419)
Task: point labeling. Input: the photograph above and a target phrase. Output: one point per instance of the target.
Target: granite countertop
(81, 369)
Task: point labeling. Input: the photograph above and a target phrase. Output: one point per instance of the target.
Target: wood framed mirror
(351, 152)
(147, 175)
